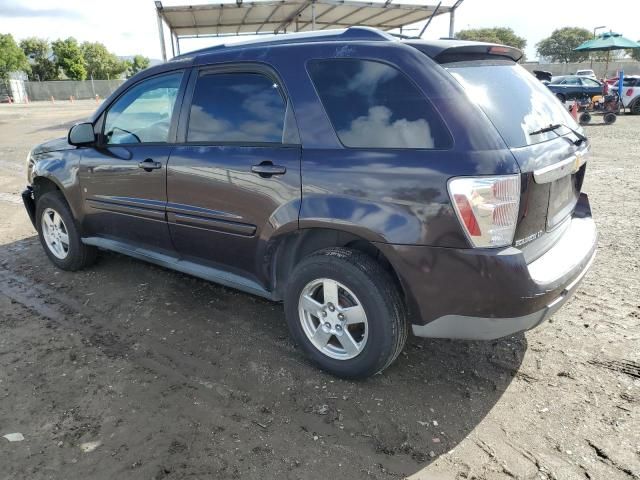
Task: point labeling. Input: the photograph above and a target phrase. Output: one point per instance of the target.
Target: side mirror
(81, 134)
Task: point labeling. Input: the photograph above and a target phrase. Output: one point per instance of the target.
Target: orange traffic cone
(574, 110)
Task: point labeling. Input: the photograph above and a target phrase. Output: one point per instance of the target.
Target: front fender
(61, 168)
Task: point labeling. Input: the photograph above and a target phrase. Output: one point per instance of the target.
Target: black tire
(376, 292)
(635, 107)
(561, 97)
(609, 118)
(584, 118)
(78, 255)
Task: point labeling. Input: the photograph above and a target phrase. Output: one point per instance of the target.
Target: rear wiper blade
(550, 128)
(554, 127)
(581, 138)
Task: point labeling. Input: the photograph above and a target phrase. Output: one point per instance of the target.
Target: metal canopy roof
(258, 17)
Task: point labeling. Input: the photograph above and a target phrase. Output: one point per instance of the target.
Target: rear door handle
(149, 165)
(267, 169)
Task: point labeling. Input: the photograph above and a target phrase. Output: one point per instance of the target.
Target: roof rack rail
(344, 34)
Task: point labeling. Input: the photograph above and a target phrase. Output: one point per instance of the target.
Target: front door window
(143, 114)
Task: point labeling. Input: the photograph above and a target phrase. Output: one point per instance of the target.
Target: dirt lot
(174, 377)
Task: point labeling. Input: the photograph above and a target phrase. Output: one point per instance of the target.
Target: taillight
(629, 92)
(487, 208)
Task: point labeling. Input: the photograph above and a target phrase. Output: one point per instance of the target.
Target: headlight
(29, 167)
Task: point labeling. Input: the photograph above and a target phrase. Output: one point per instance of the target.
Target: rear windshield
(514, 100)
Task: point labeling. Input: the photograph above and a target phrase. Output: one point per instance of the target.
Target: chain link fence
(64, 89)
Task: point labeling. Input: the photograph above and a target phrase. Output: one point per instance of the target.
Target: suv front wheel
(59, 235)
(346, 312)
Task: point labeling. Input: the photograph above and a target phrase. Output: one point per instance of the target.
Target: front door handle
(267, 169)
(149, 165)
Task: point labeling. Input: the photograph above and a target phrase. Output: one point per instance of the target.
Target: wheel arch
(43, 184)
(290, 248)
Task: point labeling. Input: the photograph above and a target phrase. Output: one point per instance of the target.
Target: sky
(129, 27)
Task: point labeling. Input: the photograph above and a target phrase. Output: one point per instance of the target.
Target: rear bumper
(486, 294)
(486, 328)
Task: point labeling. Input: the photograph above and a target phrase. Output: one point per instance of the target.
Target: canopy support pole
(435, 11)
(452, 18)
(163, 47)
(313, 15)
(452, 22)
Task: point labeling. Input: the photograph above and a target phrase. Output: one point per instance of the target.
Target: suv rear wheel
(58, 234)
(346, 312)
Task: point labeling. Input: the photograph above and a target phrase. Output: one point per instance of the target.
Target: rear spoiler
(448, 51)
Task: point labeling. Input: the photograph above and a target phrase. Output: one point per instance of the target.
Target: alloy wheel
(333, 319)
(55, 233)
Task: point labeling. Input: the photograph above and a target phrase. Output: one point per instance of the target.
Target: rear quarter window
(374, 105)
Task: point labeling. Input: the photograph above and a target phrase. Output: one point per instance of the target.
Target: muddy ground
(128, 370)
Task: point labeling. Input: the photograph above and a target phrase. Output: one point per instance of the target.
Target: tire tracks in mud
(96, 325)
(114, 340)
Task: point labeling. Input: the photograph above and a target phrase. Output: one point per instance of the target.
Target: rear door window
(237, 107)
(374, 105)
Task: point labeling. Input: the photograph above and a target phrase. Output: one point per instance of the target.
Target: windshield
(514, 100)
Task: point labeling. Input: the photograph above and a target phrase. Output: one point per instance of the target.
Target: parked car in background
(586, 73)
(373, 190)
(573, 87)
(630, 93)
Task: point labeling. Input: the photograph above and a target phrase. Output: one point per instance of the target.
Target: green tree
(137, 64)
(39, 53)
(12, 58)
(69, 58)
(634, 52)
(100, 62)
(559, 47)
(505, 36)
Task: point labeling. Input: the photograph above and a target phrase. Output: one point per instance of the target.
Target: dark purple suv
(374, 185)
